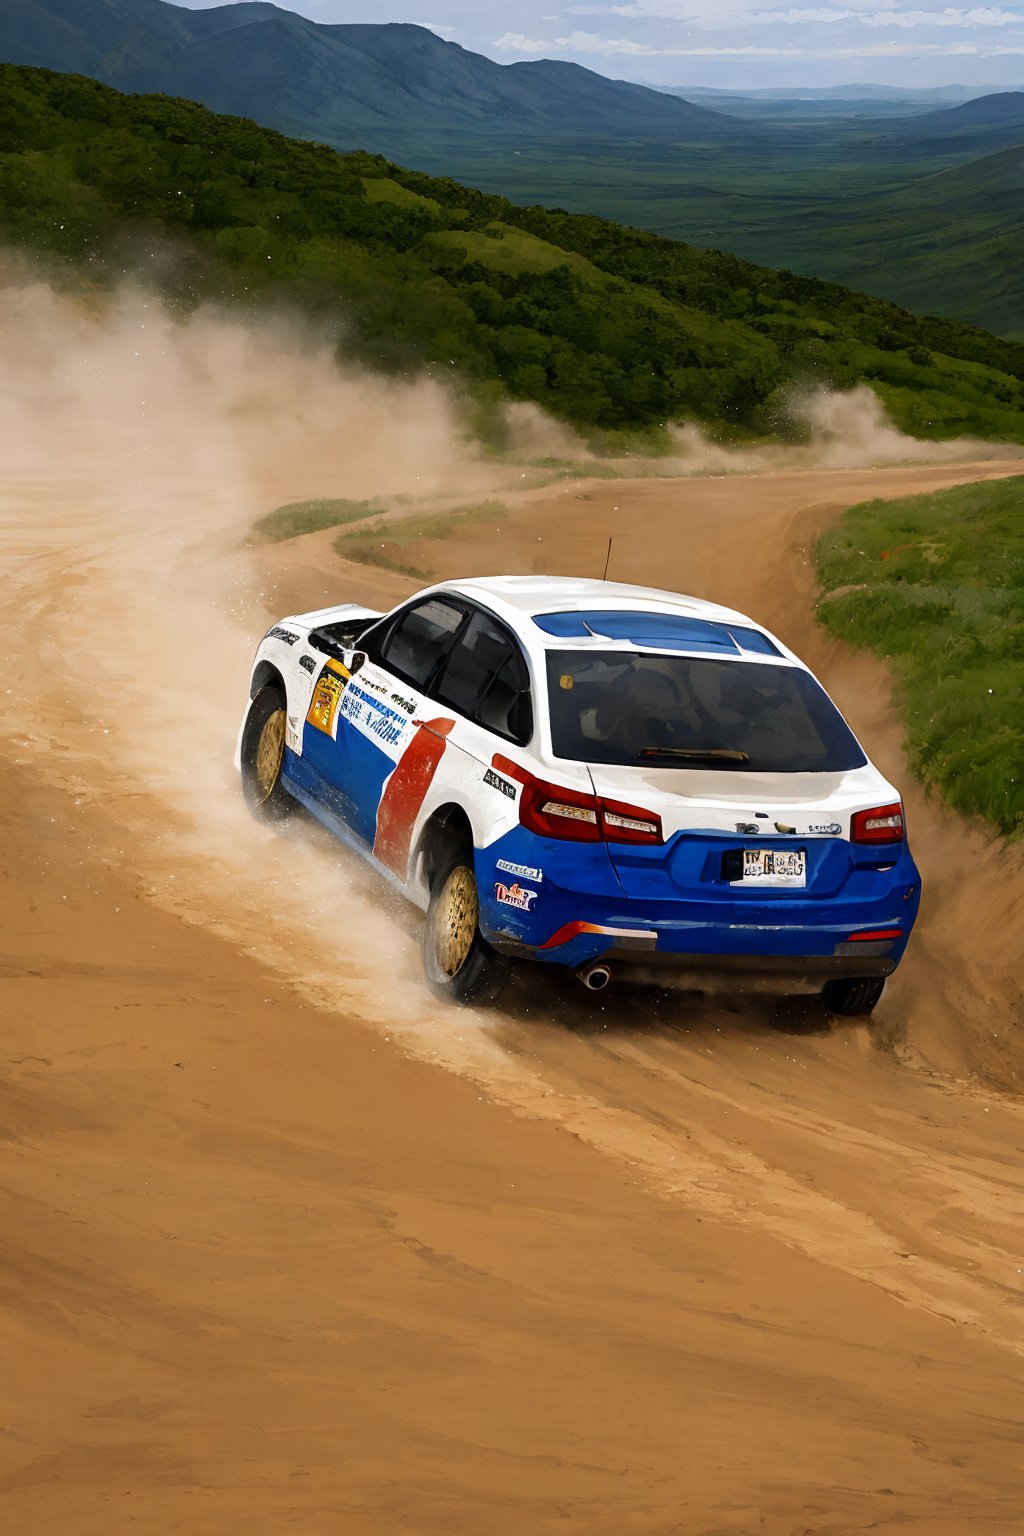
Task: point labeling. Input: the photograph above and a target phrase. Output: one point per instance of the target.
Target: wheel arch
(446, 829)
(265, 673)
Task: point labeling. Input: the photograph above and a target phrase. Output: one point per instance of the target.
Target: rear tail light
(555, 812)
(629, 824)
(884, 824)
(552, 811)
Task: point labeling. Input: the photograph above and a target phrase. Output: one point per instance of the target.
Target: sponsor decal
(309, 662)
(277, 633)
(373, 717)
(406, 704)
(369, 681)
(327, 694)
(830, 829)
(522, 870)
(496, 781)
(514, 895)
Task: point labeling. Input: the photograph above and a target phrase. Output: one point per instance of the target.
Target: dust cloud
(137, 451)
(838, 429)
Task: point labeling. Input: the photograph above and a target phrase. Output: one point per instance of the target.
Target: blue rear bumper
(668, 909)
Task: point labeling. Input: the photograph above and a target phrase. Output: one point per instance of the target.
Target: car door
(383, 724)
(466, 702)
(364, 714)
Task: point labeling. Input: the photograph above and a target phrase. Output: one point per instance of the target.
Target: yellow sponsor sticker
(323, 706)
(566, 680)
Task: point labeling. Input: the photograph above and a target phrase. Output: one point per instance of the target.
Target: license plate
(773, 866)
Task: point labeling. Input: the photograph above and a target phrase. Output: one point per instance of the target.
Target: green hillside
(921, 218)
(959, 235)
(609, 328)
(822, 195)
(935, 585)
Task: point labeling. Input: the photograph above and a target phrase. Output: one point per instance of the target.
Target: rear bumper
(566, 905)
(780, 974)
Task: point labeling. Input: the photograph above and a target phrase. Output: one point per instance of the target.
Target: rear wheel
(853, 994)
(263, 741)
(460, 966)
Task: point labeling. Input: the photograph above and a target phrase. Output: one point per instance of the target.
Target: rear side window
(420, 639)
(485, 679)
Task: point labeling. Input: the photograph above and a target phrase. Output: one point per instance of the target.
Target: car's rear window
(694, 712)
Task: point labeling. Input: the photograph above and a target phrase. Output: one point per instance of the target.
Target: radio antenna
(607, 560)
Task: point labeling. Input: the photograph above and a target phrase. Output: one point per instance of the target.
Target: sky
(748, 43)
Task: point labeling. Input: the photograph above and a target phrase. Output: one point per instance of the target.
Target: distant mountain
(1003, 110)
(366, 87)
(864, 91)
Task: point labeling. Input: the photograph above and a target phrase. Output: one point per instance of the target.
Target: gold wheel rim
(270, 754)
(457, 916)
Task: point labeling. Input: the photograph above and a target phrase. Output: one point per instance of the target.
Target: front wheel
(853, 995)
(262, 755)
(460, 965)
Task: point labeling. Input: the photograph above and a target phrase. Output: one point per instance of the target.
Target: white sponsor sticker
(524, 871)
(375, 719)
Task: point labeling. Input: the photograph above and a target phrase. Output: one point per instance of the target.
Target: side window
(485, 679)
(419, 639)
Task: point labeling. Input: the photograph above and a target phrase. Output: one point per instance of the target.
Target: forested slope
(609, 328)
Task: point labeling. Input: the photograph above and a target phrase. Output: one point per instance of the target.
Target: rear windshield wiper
(698, 754)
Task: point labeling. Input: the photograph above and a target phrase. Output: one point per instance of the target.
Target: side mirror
(358, 657)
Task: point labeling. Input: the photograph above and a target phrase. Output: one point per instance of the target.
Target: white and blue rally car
(608, 778)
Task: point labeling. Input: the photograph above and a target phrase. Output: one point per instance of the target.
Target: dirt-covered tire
(460, 966)
(853, 995)
(263, 742)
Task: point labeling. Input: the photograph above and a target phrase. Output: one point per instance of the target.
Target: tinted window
(420, 639)
(695, 712)
(485, 679)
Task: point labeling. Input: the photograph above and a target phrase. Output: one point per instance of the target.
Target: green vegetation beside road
(385, 544)
(935, 585)
(299, 517)
(613, 330)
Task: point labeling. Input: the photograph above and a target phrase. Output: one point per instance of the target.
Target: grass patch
(383, 543)
(935, 585)
(299, 517)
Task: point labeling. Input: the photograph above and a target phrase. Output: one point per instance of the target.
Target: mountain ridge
(359, 85)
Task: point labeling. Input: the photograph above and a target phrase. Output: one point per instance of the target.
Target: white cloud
(590, 44)
(868, 13)
(515, 42)
(987, 16)
(576, 42)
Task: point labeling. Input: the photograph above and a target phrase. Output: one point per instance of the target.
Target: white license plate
(773, 866)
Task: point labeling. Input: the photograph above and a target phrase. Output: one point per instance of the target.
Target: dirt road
(288, 1247)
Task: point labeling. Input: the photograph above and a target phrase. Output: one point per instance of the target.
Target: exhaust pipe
(595, 977)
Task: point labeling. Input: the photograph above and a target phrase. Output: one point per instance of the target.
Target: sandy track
(655, 1265)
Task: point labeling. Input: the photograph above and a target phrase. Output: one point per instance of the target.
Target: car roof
(531, 595)
(552, 611)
